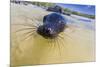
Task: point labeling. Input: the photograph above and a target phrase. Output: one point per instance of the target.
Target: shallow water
(75, 44)
(85, 20)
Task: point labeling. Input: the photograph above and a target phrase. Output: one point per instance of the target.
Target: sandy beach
(76, 45)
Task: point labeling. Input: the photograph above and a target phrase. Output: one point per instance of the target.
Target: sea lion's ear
(44, 18)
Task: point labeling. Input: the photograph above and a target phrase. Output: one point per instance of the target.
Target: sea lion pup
(53, 24)
(42, 37)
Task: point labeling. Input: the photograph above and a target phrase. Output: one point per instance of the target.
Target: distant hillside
(77, 13)
(46, 5)
(43, 4)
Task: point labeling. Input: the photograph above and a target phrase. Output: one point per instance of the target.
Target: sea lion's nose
(48, 31)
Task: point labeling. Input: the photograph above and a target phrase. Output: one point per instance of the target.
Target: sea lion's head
(53, 24)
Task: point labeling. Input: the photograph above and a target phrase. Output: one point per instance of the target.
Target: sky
(86, 9)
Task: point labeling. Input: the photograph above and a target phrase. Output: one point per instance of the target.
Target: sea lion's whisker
(28, 32)
(50, 44)
(23, 29)
(48, 41)
(29, 25)
(69, 37)
(28, 36)
(38, 24)
(59, 48)
(60, 38)
(66, 35)
(53, 45)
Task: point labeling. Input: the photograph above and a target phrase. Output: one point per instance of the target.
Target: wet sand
(75, 44)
